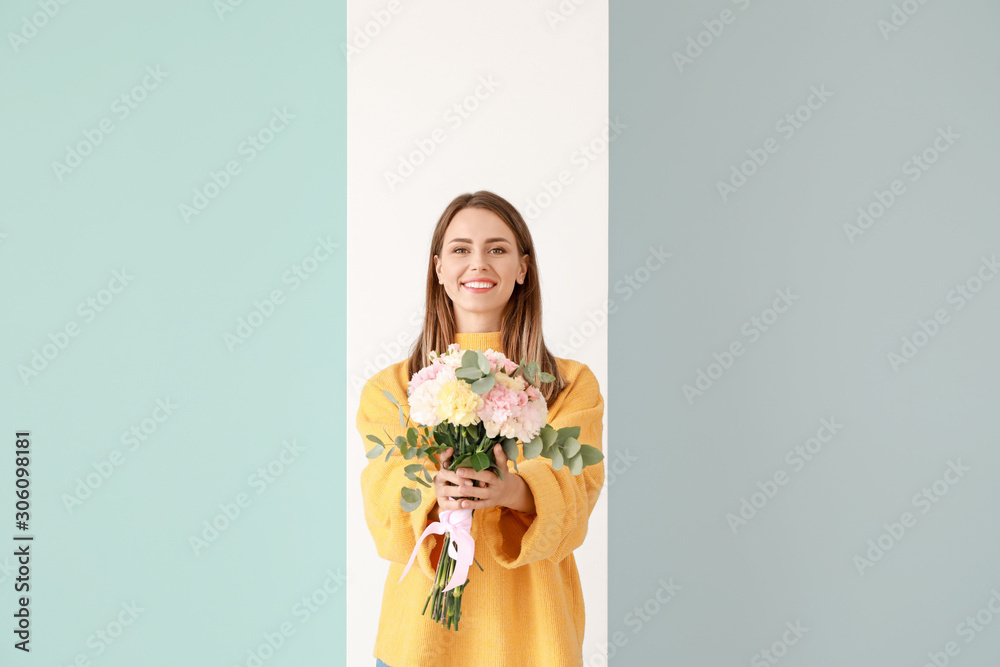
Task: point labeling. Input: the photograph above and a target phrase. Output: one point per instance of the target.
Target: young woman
(525, 607)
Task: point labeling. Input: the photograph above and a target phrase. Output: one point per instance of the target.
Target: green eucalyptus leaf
(409, 499)
(402, 419)
(557, 459)
(419, 480)
(510, 449)
(468, 373)
(408, 452)
(375, 439)
(480, 461)
(530, 372)
(546, 377)
(570, 447)
(548, 435)
(470, 359)
(400, 441)
(414, 467)
(484, 363)
(389, 453)
(590, 455)
(375, 451)
(411, 436)
(575, 464)
(391, 397)
(567, 432)
(483, 385)
(427, 476)
(532, 449)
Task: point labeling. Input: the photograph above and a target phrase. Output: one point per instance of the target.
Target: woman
(525, 607)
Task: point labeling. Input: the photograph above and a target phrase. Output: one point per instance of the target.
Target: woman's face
(479, 248)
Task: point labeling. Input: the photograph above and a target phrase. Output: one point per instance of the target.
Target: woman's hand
(451, 485)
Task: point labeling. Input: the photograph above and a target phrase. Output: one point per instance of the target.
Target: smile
(479, 286)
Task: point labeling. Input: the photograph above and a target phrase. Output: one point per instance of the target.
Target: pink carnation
(502, 406)
(426, 373)
(498, 359)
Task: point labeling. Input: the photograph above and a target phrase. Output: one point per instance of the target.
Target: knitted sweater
(525, 607)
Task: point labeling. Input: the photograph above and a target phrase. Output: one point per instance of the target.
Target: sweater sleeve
(395, 530)
(563, 501)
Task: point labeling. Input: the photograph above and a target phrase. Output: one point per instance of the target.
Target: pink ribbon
(459, 524)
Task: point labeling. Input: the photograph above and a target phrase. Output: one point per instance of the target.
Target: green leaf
(409, 452)
(570, 447)
(548, 435)
(483, 385)
(557, 459)
(480, 461)
(389, 453)
(402, 419)
(567, 432)
(427, 476)
(375, 439)
(546, 377)
(375, 451)
(532, 449)
(391, 398)
(460, 462)
(417, 479)
(443, 438)
(484, 363)
(510, 449)
(470, 359)
(575, 464)
(400, 441)
(409, 499)
(468, 374)
(414, 467)
(530, 371)
(590, 455)
(411, 436)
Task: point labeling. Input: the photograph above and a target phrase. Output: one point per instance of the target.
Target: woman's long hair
(521, 321)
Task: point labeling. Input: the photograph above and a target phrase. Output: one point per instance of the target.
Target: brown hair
(521, 321)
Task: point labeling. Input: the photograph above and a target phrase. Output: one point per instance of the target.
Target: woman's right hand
(446, 483)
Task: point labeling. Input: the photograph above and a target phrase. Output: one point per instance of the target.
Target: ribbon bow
(461, 546)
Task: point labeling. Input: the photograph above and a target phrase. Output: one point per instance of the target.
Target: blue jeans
(379, 663)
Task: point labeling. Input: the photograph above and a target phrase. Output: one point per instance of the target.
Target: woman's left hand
(493, 491)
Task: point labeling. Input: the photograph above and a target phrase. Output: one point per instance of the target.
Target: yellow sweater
(525, 607)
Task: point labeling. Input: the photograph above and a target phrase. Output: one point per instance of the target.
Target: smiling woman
(479, 268)
(482, 292)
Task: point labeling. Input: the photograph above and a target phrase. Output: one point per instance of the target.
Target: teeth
(479, 285)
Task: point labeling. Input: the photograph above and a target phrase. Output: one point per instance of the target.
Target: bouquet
(471, 400)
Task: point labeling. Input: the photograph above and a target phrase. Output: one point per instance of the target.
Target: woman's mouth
(479, 286)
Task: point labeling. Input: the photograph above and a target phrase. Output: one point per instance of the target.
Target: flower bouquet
(471, 400)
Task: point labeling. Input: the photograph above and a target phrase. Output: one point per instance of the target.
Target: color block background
(215, 404)
(705, 589)
(692, 589)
